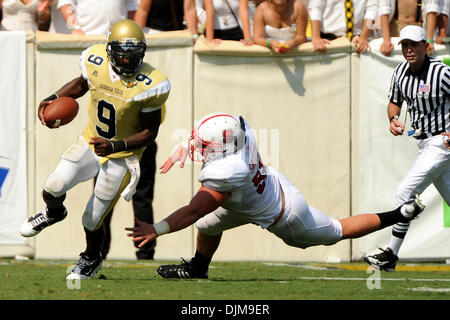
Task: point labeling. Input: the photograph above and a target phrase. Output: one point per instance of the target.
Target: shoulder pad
(224, 174)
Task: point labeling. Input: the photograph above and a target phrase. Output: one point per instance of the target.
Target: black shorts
(229, 34)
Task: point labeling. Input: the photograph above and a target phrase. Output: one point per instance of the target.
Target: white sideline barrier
(16, 91)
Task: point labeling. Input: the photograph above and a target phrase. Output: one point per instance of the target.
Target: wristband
(119, 145)
(392, 118)
(430, 41)
(268, 44)
(161, 228)
(52, 97)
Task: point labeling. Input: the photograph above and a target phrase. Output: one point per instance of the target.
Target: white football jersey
(255, 188)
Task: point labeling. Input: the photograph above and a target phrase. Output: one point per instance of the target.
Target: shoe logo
(87, 268)
(38, 221)
(183, 274)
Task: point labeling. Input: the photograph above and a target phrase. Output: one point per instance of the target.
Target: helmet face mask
(126, 59)
(216, 136)
(126, 45)
(199, 149)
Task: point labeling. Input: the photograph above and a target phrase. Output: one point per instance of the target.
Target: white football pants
(301, 226)
(79, 163)
(431, 166)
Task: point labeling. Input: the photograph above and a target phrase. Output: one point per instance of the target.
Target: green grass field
(133, 280)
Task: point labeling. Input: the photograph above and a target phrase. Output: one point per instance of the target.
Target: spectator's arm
(316, 9)
(209, 30)
(386, 46)
(301, 22)
(431, 28)
(442, 22)
(258, 27)
(245, 20)
(68, 14)
(190, 16)
(361, 42)
(142, 12)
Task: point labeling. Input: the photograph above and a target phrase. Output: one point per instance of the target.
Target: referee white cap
(412, 32)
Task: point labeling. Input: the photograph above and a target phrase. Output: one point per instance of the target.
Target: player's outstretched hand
(102, 146)
(142, 232)
(179, 155)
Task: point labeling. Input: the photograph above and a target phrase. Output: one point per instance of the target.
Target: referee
(424, 83)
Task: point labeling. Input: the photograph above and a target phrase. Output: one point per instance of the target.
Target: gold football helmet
(126, 45)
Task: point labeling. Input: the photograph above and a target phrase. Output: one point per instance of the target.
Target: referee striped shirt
(426, 93)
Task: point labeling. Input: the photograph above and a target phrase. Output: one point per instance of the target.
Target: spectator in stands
(95, 17)
(155, 16)
(395, 15)
(26, 15)
(222, 22)
(58, 23)
(280, 24)
(329, 21)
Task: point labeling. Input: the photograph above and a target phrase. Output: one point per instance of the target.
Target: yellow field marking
(360, 267)
(345, 266)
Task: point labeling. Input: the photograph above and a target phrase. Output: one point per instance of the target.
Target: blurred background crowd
(278, 24)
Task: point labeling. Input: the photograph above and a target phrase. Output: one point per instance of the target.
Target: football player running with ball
(126, 97)
(237, 189)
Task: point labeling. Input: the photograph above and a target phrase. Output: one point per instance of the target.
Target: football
(61, 111)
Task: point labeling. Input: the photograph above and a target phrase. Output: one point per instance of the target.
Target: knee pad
(110, 181)
(54, 184)
(95, 212)
(88, 221)
(206, 227)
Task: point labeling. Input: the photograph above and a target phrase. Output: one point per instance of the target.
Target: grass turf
(136, 280)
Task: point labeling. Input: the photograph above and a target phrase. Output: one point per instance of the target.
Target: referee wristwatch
(392, 118)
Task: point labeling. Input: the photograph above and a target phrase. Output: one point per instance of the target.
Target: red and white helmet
(217, 135)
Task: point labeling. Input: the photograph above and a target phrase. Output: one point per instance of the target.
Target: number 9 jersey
(116, 102)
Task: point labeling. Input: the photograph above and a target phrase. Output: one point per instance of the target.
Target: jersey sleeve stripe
(161, 88)
(83, 67)
(150, 109)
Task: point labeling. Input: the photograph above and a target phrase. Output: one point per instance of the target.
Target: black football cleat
(86, 268)
(185, 270)
(39, 222)
(386, 260)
